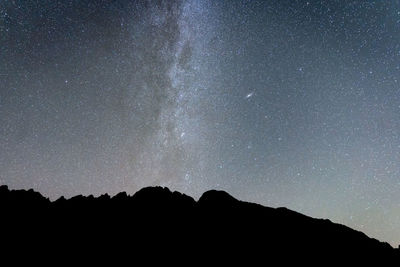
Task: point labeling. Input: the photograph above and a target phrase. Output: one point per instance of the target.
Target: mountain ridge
(156, 213)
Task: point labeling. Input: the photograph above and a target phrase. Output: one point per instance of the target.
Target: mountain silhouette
(155, 221)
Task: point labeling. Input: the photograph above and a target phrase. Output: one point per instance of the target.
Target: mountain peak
(217, 197)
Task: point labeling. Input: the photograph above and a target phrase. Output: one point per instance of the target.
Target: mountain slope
(158, 221)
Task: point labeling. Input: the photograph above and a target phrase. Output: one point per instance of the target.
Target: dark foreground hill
(158, 225)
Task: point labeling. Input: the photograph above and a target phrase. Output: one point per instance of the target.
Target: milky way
(283, 103)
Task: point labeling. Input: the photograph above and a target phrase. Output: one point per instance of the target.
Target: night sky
(283, 103)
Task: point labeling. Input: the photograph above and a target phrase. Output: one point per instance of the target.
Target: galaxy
(283, 103)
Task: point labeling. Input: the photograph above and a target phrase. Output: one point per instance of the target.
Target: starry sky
(284, 103)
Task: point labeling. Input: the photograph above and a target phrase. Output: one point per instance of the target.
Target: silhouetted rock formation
(159, 222)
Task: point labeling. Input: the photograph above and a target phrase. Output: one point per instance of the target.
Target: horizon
(286, 103)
